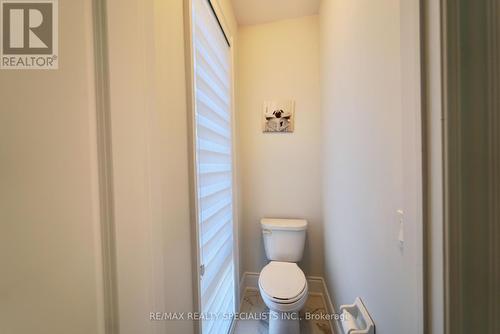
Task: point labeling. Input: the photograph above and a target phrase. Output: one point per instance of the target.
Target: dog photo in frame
(278, 116)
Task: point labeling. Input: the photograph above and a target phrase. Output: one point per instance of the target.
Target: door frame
(456, 181)
(443, 102)
(189, 64)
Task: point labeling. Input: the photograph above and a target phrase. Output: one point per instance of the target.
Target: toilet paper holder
(355, 319)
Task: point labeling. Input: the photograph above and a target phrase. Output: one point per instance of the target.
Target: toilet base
(284, 322)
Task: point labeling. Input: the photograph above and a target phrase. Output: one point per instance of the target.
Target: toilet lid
(282, 280)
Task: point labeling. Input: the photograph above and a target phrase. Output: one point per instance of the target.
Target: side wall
(149, 117)
(50, 231)
(371, 151)
(50, 248)
(280, 173)
(149, 140)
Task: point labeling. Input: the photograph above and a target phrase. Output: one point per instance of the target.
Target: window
(214, 167)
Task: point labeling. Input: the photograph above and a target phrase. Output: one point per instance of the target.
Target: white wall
(280, 173)
(50, 257)
(370, 113)
(51, 280)
(150, 160)
(149, 128)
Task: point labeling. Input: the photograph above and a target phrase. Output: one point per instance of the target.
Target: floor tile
(253, 306)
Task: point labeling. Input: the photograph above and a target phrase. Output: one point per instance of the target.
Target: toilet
(282, 284)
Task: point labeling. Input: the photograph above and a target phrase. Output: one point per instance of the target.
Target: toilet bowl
(282, 284)
(283, 287)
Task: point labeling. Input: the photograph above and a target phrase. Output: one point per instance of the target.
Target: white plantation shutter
(212, 86)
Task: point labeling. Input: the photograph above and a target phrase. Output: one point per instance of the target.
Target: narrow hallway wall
(370, 117)
(50, 247)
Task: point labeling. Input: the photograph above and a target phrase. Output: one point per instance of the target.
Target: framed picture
(278, 116)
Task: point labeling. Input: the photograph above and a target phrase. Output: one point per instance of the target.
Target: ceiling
(263, 11)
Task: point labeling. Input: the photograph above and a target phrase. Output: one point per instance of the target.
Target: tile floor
(253, 304)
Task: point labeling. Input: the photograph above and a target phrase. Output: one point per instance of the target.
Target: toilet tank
(284, 239)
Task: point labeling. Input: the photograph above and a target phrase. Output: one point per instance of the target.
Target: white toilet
(282, 284)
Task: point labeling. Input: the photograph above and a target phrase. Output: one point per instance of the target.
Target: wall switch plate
(401, 235)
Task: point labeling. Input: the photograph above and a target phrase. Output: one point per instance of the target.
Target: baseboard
(316, 285)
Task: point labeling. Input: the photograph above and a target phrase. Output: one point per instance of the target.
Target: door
(214, 168)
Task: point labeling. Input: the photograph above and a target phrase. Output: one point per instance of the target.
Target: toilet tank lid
(284, 224)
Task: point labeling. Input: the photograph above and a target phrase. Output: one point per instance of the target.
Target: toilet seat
(282, 282)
